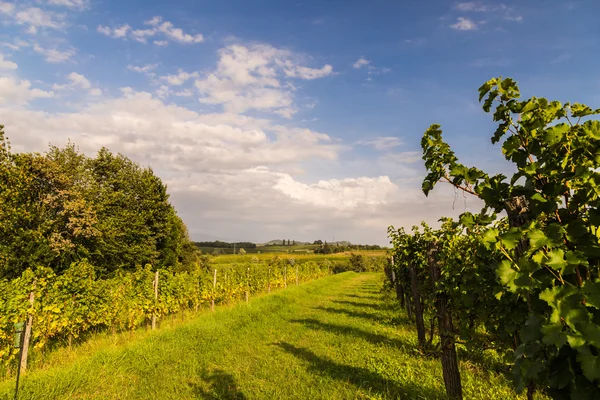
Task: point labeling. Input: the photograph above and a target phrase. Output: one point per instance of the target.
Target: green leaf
(537, 238)
(553, 335)
(511, 239)
(590, 363)
(555, 133)
(490, 235)
(555, 259)
(507, 275)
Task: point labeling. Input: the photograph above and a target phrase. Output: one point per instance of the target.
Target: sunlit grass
(335, 338)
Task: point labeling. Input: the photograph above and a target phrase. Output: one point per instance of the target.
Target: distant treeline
(62, 207)
(327, 248)
(224, 245)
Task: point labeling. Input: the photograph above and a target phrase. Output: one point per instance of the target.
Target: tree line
(62, 206)
(225, 245)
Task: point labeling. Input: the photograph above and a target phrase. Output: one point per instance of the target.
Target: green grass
(336, 338)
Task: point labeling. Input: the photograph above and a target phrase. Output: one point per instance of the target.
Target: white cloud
(154, 21)
(76, 4)
(309, 73)
(250, 77)
(20, 93)
(382, 143)
(180, 78)
(141, 34)
(345, 194)
(37, 18)
(361, 62)
(115, 33)
(178, 35)
(6, 64)
(142, 69)
(502, 10)
(54, 55)
(474, 6)
(7, 8)
(78, 82)
(464, 24)
(159, 27)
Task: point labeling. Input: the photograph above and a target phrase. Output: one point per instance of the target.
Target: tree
(61, 207)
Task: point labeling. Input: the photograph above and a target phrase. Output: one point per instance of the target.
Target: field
(335, 338)
(237, 258)
(303, 248)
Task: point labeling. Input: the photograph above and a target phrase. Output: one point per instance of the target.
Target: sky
(273, 119)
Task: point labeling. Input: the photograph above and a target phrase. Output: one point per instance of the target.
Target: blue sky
(272, 119)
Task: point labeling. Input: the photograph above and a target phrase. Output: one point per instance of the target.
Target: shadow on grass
(355, 332)
(378, 306)
(356, 296)
(220, 385)
(355, 314)
(361, 377)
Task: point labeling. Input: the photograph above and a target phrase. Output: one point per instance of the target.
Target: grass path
(335, 338)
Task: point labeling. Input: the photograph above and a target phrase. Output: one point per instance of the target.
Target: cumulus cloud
(6, 64)
(464, 24)
(32, 17)
(251, 77)
(78, 82)
(75, 4)
(158, 27)
(361, 62)
(345, 194)
(19, 93)
(180, 78)
(474, 6)
(54, 55)
(501, 10)
(143, 69)
(115, 33)
(309, 73)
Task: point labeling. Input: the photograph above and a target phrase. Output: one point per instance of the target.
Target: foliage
(546, 251)
(75, 302)
(62, 207)
(330, 339)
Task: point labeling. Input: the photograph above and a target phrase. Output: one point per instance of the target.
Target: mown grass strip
(336, 338)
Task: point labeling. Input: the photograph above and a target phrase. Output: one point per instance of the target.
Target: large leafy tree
(61, 206)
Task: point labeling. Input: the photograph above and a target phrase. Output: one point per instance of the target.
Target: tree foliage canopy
(62, 206)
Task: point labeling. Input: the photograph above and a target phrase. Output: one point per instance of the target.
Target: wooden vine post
(285, 276)
(416, 295)
(269, 287)
(28, 326)
(450, 369)
(212, 302)
(248, 285)
(296, 274)
(155, 286)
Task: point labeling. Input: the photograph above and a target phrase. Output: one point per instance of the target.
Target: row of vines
(72, 304)
(523, 276)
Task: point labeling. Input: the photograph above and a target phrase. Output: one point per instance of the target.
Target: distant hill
(279, 242)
